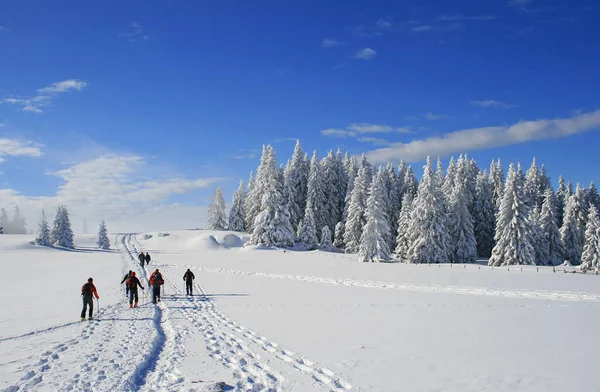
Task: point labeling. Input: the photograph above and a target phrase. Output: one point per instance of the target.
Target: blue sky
(155, 103)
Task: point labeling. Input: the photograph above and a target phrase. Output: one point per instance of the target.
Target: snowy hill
(288, 320)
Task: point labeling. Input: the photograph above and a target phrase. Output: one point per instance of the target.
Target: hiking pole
(97, 308)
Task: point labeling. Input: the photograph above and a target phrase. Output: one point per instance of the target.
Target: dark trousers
(155, 293)
(87, 301)
(133, 295)
(126, 290)
(189, 287)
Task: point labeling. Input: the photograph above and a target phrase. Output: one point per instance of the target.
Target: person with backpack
(126, 285)
(147, 258)
(133, 282)
(88, 290)
(142, 258)
(156, 280)
(189, 277)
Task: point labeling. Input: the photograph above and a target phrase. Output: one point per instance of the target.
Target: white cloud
(373, 140)
(330, 43)
(420, 29)
(369, 128)
(332, 132)
(492, 103)
(14, 147)
(116, 188)
(357, 130)
(385, 24)
(487, 137)
(365, 54)
(135, 33)
(433, 116)
(63, 87)
(45, 95)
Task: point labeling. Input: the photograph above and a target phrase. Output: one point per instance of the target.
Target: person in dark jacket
(147, 258)
(133, 282)
(189, 282)
(142, 258)
(88, 290)
(126, 285)
(156, 280)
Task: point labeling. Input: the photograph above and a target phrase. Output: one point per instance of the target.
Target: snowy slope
(284, 320)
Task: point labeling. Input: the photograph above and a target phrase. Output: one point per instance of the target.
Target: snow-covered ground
(286, 320)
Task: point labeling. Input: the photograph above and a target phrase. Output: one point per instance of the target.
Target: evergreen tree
(538, 238)
(374, 239)
(338, 240)
(484, 216)
(43, 234)
(400, 176)
(62, 235)
(351, 172)
(393, 202)
(295, 186)
(326, 239)
(545, 180)
(592, 195)
(249, 204)
(308, 231)
(513, 229)
(497, 183)
(556, 250)
(572, 231)
(103, 241)
(463, 246)
(258, 190)
(272, 225)
(448, 186)
(356, 212)
(331, 192)
(236, 214)
(533, 185)
(411, 185)
(316, 197)
(429, 237)
(217, 217)
(561, 201)
(342, 184)
(463, 175)
(590, 257)
(369, 172)
(403, 237)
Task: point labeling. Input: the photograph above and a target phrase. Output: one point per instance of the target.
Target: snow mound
(232, 241)
(205, 242)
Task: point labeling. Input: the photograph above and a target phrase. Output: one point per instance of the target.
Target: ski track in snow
(482, 291)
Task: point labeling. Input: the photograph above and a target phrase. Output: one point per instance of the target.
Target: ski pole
(97, 308)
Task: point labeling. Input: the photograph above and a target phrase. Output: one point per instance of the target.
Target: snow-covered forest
(454, 214)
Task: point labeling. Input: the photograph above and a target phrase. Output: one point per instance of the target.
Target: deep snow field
(271, 320)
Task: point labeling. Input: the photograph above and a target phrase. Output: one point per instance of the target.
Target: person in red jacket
(133, 282)
(88, 290)
(156, 280)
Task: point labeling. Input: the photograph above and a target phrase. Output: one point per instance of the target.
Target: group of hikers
(144, 258)
(88, 290)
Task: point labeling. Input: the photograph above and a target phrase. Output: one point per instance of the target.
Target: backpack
(87, 290)
(157, 279)
(131, 283)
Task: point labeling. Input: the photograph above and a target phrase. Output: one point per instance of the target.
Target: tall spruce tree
(351, 167)
(497, 183)
(403, 237)
(43, 234)
(331, 190)
(62, 234)
(513, 229)
(411, 184)
(463, 246)
(590, 257)
(538, 237)
(103, 241)
(374, 239)
(295, 186)
(248, 204)
(592, 195)
(326, 243)
(484, 216)
(572, 231)
(556, 250)
(561, 201)
(307, 231)
(429, 237)
(236, 214)
(356, 212)
(217, 217)
(448, 186)
(338, 238)
(316, 197)
(533, 185)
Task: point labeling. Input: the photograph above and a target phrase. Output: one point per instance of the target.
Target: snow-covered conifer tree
(592, 195)
(513, 229)
(331, 191)
(590, 257)
(448, 186)
(484, 216)
(62, 235)
(342, 184)
(338, 240)
(460, 222)
(356, 212)
(316, 198)
(369, 171)
(572, 231)
(272, 225)
(308, 231)
(400, 175)
(248, 204)
(326, 243)
(295, 186)
(545, 180)
(464, 173)
(103, 241)
(538, 237)
(533, 185)
(403, 237)
(374, 239)
(429, 236)
(43, 234)
(236, 214)
(217, 217)
(351, 172)
(548, 219)
(411, 185)
(497, 183)
(561, 201)
(394, 203)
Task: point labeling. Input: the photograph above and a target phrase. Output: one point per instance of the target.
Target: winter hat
(90, 280)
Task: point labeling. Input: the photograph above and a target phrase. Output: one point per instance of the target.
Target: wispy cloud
(373, 140)
(377, 29)
(330, 43)
(244, 153)
(135, 33)
(15, 147)
(487, 137)
(492, 103)
(385, 23)
(433, 116)
(458, 18)
(365, 54)
(421, 29)
(45, 95)
(285, 139)
(360, 130)
(2, 28)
